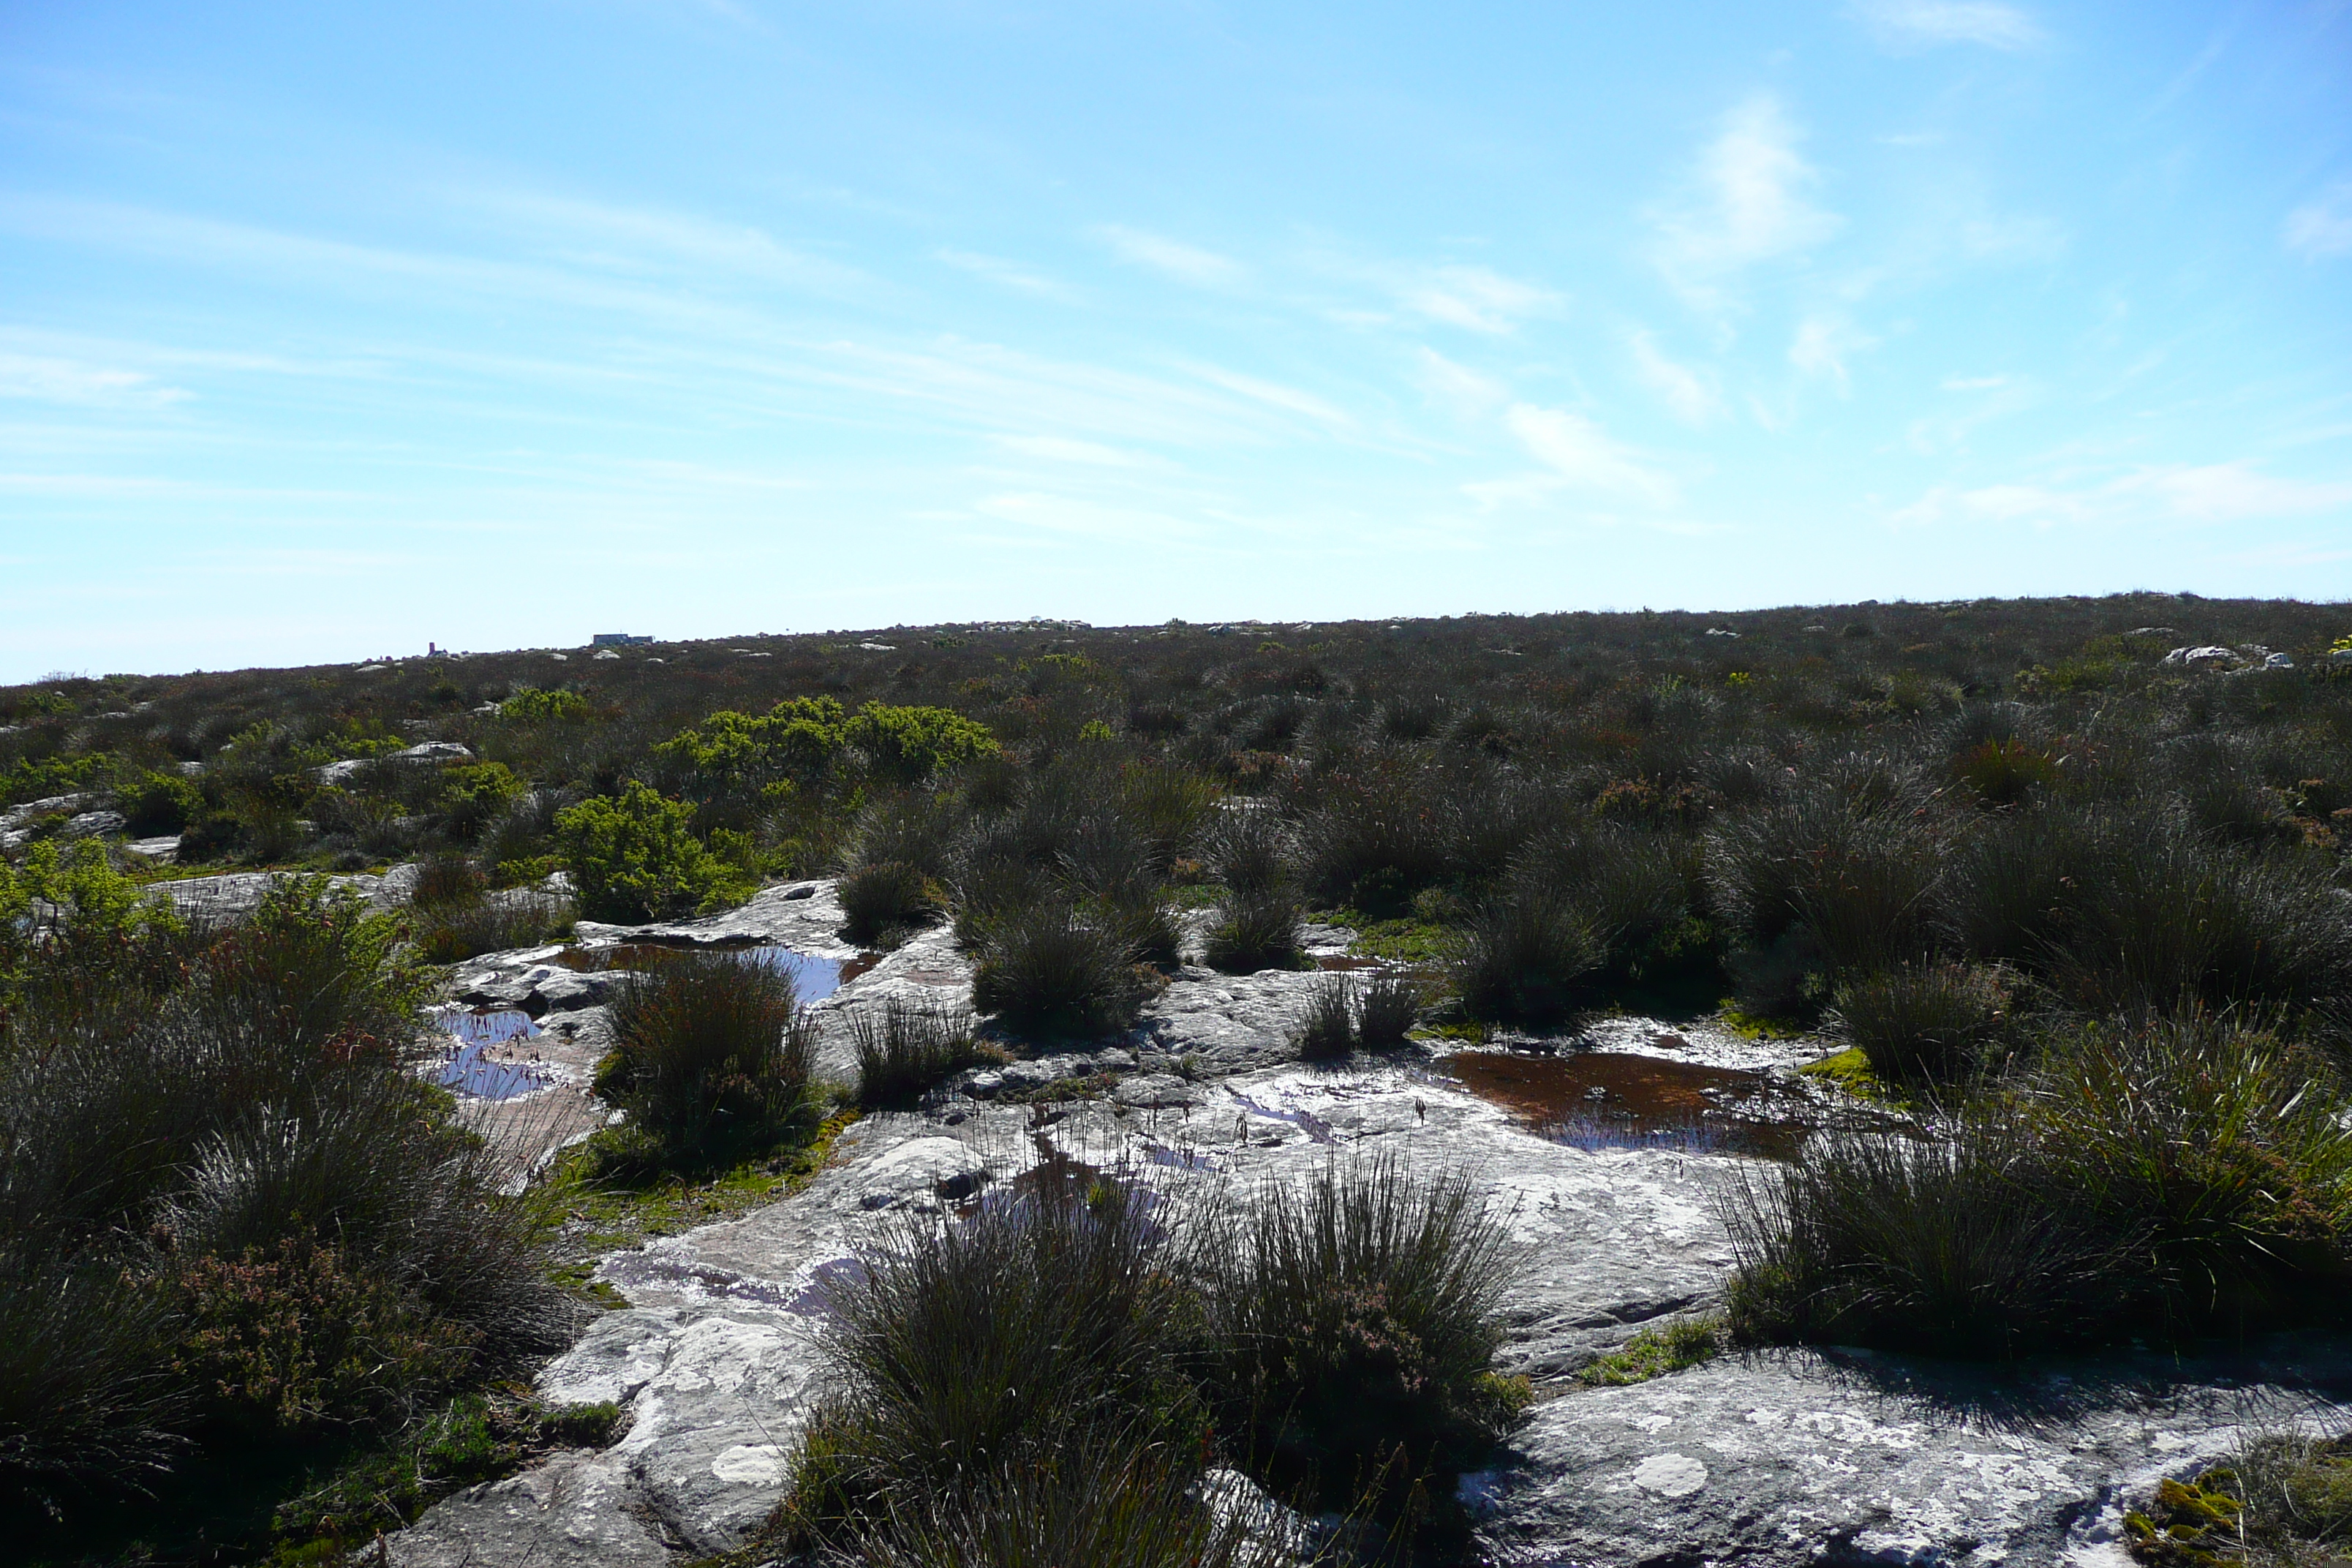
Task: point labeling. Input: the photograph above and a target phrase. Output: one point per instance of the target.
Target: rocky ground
(1780, 1458)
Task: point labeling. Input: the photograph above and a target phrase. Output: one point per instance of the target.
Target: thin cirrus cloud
(1469, 393)
(1690, 396)
(1922, 24)
(45, 379)
(1087, 453)
(2321, 226)
(1084, 519)
(1577, 455)
(1010, 274)
(1749, 204)
(1170, 258)
(2209, 492)
(1822, 346)
(1476, 297)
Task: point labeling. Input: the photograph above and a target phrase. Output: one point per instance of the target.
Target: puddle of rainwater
(486, 1025)
(813, 978)
(1346, 962)
(469, 1068)
(1602, 1099)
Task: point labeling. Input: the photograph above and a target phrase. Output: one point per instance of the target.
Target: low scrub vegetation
(2170, 1178)
(232, 1216)
(904, 1050)
(1055, 1372)
(712, 1060)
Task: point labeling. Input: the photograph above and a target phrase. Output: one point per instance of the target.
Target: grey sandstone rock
(1774, 1460)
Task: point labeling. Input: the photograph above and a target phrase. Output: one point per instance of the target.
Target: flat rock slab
(804, 916)
(1801, 1457)
(233, 895)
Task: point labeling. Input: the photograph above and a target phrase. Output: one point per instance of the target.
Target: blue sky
(327, 330)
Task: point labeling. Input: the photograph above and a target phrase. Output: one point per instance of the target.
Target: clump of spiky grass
(2160, 1179)
(1930, 1022)
(1523, 955)
(882, 901)
(712, 1054)
(1328, 1030)
(1049, 968)
(1002, 1364)
(903, 1050)
(1958, 1246)
(1353, 1328)
(1388, 1008)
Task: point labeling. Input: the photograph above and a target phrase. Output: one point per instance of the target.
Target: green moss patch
(1654, 1353)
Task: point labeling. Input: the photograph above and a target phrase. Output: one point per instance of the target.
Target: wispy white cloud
(1921, 23)
(1088, 454)
(2321, 226)
(1749, 205)
(632, 238)
(1184, 263)
(1691, 395)
(1577, 455)
(1477, 298)
(1011, 274)
(1822, 345)
(1085, 518)
(2210, 493)
(50, 380)
(1274, 394)
(1467, 392)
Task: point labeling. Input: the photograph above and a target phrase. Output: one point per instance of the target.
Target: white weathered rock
(1779, 1459)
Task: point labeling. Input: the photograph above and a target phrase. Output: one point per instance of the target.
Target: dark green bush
(1524, 956)
(711, 1055)
(882, 901)
(1352, 1328)
(1388, 1008)
(242, 1199)
(1327, 1031)
(1049, 968)
(904, 1050)
(1930, 1022)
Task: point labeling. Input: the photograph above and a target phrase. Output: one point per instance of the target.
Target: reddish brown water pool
(1602, 1099)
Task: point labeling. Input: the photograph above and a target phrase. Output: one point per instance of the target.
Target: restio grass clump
(713, 1059)
(904, 1050)
(1057, 1369)
(2170, 1178)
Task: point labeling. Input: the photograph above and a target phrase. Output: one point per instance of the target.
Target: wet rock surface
(1787, 1457)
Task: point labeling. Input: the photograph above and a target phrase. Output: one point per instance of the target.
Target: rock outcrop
(1785, 1457)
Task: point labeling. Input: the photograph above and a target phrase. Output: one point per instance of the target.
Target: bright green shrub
(158, 804)
(475, 794)
(909, 745)
(533, 706)
(795, 743)
(635, 858)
